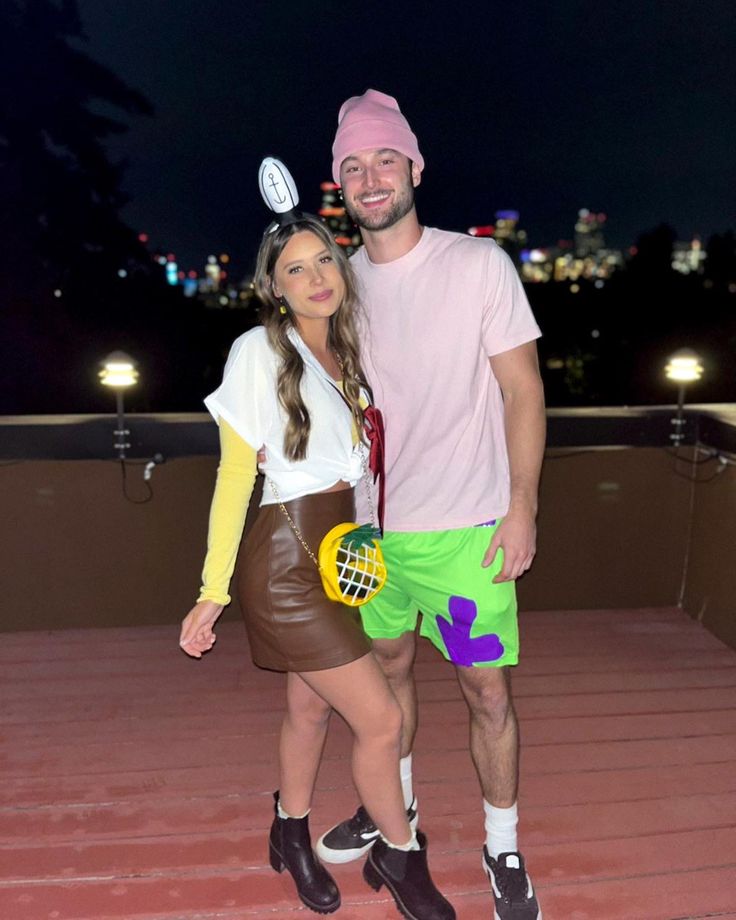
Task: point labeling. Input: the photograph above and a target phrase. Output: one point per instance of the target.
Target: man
(450, 351)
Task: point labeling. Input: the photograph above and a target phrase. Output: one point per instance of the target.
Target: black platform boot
(290, 847)
(406, 875)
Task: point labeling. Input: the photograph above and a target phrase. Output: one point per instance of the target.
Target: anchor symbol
(274, 186)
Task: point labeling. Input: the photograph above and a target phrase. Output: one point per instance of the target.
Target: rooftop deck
(136, 782)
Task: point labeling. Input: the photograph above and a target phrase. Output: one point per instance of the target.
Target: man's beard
(368, 220)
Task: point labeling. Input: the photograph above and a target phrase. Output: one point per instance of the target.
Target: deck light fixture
(119, 371)
(683, 368)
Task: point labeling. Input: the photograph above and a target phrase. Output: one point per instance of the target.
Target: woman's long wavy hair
(342, 336)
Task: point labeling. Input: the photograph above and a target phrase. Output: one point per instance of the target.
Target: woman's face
(308, 277)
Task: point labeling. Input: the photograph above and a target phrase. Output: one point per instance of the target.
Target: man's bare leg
(396, 657)
(494, 732)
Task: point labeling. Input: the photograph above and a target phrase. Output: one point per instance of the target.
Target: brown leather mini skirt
(291, 624)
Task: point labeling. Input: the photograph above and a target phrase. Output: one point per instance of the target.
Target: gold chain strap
(368, 482)
(364, 461)
(300, 537)
(365, 477)
(293, 526)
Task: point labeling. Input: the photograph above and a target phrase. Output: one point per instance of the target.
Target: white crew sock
(413, 844)
(500, 826)
(406, 781)
(282, 814)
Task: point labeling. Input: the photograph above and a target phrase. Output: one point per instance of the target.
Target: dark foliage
(62, 240)
(76, 282)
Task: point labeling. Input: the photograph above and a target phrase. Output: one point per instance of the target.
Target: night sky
(621, 107)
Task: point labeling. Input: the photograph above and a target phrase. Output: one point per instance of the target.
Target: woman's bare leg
(360, 693)
(303, 735)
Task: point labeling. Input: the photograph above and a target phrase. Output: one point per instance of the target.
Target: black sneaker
(352, 838)
(513, 891)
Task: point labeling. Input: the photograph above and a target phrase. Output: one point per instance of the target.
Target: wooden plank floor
(136, 782)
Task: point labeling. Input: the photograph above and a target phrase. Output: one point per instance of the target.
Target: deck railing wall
(621, 523)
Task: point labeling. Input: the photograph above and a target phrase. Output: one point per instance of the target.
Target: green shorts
(468, 618)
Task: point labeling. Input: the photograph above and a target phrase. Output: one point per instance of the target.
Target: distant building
(589, 233)
(506, 227)
(598, 266)
(506, 232)
(537, 265)
(216, 291)
(336, 218)
(584, 259)
(559, 263)
(688, 257)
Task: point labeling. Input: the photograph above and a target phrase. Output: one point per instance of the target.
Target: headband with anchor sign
(278, 190)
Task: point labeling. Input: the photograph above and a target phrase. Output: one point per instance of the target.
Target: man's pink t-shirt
(432, 319)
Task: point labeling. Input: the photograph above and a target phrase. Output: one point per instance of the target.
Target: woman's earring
(282, 308)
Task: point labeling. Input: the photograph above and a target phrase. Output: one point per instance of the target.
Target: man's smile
(372, 199)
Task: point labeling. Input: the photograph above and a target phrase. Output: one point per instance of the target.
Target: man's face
(378, 187)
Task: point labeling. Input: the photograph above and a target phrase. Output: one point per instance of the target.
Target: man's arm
(517, 372)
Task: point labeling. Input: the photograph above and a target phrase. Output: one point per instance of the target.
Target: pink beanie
(372, 121)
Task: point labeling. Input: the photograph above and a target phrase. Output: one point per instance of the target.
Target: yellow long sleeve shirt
(236, 476)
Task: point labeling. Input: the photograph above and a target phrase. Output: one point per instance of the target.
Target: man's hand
(197, 634)
(517, 373)
(517, 537)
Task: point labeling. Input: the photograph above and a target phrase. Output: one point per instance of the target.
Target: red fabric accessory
(377, 453)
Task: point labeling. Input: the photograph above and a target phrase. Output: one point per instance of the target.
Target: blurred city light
(172, 271)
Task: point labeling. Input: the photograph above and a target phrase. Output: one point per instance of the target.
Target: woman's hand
(197, 635)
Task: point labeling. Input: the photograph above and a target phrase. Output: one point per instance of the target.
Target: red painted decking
(136, 782)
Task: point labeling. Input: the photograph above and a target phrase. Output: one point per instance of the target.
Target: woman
(294, 386)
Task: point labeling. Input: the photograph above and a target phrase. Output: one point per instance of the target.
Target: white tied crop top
(248, 402)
